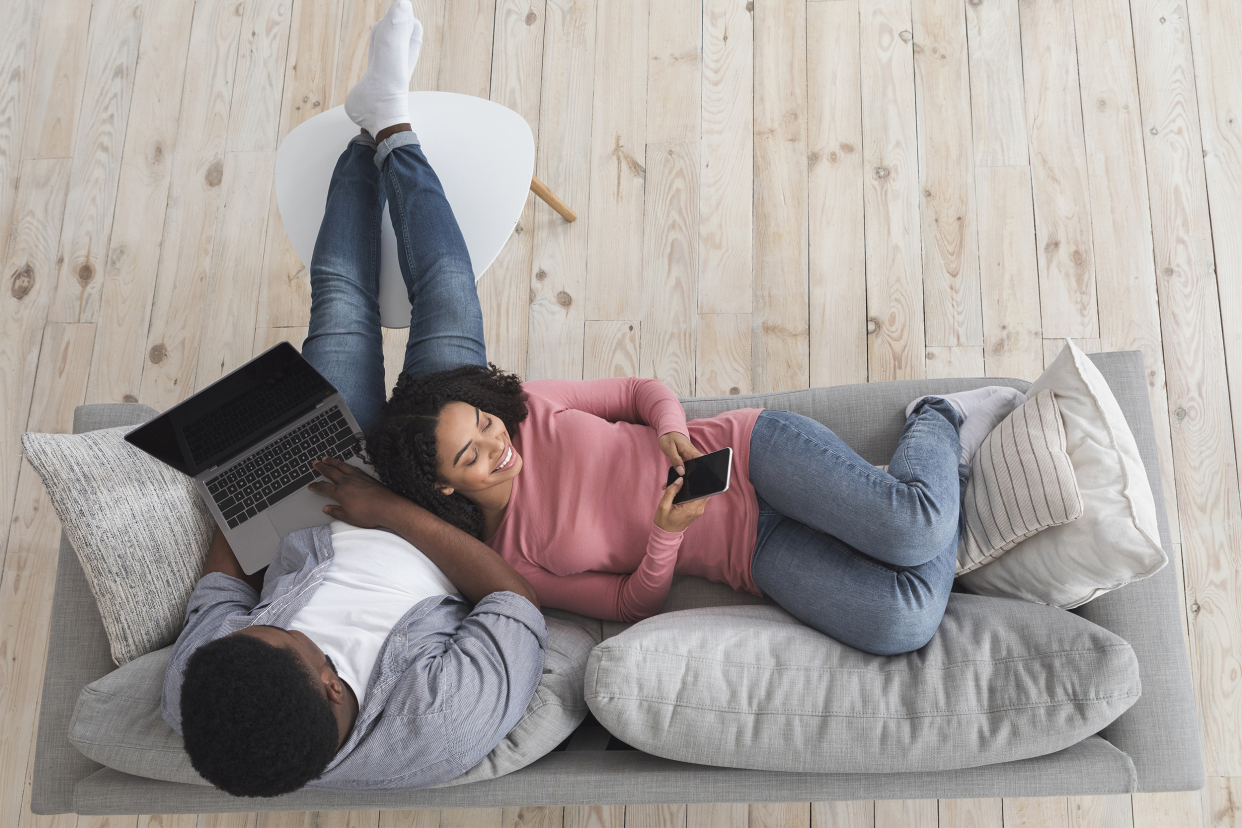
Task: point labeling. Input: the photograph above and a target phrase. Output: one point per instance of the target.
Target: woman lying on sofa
(565, 479)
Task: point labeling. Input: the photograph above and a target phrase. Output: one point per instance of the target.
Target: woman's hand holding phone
(678, 448)
(677, 517)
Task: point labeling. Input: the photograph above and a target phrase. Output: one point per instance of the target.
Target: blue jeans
(446, 324)
(859, 554)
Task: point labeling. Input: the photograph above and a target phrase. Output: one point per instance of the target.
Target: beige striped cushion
(1021, 481)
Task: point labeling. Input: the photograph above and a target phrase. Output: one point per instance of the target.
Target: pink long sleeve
(620, 400)
(611, 597)
(580, 521)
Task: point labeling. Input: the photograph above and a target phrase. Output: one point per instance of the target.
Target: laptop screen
(234, 413)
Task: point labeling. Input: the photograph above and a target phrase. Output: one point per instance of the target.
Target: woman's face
(473, 451)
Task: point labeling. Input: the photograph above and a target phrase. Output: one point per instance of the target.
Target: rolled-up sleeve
(493, 667)
(216, 598)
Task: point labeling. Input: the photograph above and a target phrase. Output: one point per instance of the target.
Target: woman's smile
(507, 460)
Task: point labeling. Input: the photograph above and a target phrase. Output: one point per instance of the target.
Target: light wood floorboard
(770, 195)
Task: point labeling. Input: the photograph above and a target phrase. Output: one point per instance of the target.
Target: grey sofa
(1153, 746)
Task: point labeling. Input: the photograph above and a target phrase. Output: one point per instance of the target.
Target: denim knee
(336, 308)
(929, 534)
(907, 631)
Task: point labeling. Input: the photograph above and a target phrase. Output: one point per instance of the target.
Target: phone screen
(705, 476)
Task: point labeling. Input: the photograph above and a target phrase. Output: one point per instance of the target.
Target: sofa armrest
(1160, 732)
(78, 651)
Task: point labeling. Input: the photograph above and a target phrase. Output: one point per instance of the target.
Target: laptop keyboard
(269, 475)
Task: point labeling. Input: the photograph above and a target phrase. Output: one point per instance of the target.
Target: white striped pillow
(1021, 481)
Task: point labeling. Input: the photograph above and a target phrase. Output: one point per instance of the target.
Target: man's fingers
(323, 487)
(330, 468)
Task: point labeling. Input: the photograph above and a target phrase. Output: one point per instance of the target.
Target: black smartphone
(705, 476)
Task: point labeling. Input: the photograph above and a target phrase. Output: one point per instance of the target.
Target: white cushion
(140, 530)
(1116, 540)
(1021, 482)
(752, 687)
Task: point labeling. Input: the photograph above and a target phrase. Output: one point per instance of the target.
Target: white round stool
(483, 153)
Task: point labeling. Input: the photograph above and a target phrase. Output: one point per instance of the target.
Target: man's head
(263, 711)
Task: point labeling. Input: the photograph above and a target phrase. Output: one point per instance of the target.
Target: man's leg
(344, 342)
(446, 322)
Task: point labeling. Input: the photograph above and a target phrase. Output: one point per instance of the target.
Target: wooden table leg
(550, 198)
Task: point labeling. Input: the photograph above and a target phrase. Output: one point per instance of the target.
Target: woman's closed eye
(476, 451)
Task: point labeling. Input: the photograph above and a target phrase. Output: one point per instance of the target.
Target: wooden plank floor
(772, 194)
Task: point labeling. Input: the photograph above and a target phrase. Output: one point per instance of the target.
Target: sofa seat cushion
(117, 719)
(752, 687)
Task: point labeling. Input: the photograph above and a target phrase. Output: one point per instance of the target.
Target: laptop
(248, 441)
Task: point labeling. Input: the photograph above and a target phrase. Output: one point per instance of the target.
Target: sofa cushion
(117, 719)
(140, 531)
(1021, 482)
(751, 687)
(1117, 539)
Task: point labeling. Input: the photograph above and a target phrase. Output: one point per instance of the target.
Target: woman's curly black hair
(253, 719)
(402, 443)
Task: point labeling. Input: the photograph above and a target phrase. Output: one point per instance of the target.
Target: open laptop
(248, 441)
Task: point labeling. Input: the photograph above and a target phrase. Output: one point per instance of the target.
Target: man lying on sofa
(347, 677)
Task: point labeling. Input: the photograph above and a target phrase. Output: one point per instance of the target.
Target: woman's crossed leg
(863, 555)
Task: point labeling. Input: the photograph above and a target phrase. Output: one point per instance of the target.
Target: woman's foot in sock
(381, 98)
(982, 410)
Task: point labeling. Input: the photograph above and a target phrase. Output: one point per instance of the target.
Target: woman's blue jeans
(862, 555)
(344, 342)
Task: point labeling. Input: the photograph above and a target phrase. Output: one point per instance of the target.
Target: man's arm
(220, 558)
(469, 563)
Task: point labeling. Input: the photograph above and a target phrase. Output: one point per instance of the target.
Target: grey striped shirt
(449, 683)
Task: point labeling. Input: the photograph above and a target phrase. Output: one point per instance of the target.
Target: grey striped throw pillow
(1021, 481)
(140, 530)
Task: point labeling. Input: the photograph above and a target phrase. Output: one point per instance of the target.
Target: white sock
(982, 410)
(416, 44)
(381, 98)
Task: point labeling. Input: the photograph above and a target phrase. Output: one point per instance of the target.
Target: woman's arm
(470, 564)
(611, 597)
(626, 400)
(631, 597)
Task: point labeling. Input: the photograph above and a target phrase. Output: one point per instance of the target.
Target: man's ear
(446, 490)
(336, 690)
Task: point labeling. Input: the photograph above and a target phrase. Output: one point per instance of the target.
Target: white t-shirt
(373, 580)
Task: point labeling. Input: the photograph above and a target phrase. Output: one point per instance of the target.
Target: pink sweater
(580, 526)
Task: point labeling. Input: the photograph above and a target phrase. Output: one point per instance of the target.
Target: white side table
(483, 153)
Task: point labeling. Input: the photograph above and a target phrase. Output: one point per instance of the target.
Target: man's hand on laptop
(364, 501)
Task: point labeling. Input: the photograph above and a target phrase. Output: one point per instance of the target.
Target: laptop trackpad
(254, 543)
(297, 511)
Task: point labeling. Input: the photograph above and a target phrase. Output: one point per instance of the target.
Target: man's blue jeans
(859, 554)
(446, 324)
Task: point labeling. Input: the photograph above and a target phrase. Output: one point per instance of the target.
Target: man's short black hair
(254, 719)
